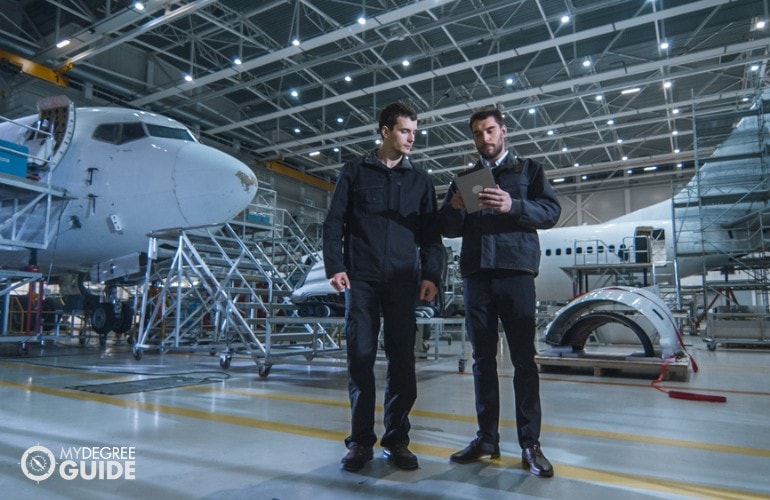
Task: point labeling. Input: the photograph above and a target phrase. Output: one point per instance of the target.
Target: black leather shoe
(357, 457)
(401, 457)
(474, 451)
(532, 458)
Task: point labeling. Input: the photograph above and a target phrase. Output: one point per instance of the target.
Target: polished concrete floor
(233, 434)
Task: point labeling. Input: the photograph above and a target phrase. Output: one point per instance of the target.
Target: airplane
(714, 221)
(122, 174)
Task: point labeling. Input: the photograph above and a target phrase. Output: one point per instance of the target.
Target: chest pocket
(370, 199)
(515, 183)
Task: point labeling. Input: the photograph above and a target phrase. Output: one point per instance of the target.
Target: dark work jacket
(505, 241)
(382, 224)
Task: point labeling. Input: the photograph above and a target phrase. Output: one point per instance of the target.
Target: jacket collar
(371, 159)
(510, 161)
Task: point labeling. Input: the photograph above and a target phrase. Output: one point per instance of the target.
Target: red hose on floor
(685, 395)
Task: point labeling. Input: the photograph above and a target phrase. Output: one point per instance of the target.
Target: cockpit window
(169, 132)
(119, 133)
(131, 132)
(107, 132)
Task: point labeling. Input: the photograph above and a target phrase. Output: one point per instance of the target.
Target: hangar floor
(235, 435)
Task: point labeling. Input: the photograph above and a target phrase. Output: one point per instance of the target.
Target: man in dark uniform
(382, 246)
(499, 260)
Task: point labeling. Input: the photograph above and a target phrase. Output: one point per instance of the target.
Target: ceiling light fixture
(62, 44)
(632, 90)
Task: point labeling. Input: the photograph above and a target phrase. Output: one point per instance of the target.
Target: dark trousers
(509, 296)
(365, 301)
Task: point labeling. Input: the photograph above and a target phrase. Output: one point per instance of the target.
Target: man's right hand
(340, 281)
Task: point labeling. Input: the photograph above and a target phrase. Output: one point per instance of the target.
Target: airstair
(226, 289)
(30, 204)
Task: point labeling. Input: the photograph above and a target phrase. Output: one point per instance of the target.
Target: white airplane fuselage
(129, 173)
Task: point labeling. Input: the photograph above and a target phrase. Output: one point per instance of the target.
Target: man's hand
(496, 199)
(428, 290)
(340, 281)
(457, 201)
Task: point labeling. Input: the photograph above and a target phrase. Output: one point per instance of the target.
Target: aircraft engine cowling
(617, 304)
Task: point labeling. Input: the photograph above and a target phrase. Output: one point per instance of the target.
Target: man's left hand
(496, 199)
(428, 290)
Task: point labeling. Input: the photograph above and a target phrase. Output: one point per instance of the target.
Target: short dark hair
(390, 113)
(484, 113)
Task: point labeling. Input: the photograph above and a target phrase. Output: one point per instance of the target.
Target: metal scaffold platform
(29, 210)
(735, 304)
(222, 294)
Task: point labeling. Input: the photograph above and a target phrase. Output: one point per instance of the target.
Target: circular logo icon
(38, 463)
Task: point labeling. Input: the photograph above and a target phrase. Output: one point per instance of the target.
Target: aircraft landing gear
(111, 317)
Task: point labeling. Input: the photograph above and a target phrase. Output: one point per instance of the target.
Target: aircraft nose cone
(212, 187)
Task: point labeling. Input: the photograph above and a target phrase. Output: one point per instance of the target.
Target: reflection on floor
(175, 425)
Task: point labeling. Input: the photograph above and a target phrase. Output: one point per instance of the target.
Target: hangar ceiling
(596, 90)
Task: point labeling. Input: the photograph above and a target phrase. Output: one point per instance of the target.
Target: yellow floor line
(643, 483)
(678, 443)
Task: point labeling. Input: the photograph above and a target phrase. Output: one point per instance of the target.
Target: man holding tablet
(499, 260)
